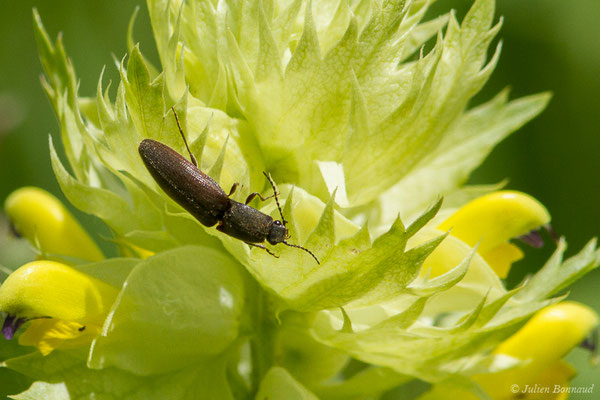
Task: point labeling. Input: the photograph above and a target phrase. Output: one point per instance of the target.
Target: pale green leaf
(557, 274)
(371, 381)
(175, 308)
(467, 143)
(64, 376)
(307, 360)
(108, 206)
(278, 384)
(44, 390)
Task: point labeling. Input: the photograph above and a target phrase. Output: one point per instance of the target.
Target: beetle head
(278, 233)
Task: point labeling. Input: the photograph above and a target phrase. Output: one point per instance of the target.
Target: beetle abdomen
(189, 187)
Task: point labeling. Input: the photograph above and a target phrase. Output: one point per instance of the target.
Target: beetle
(206, 201)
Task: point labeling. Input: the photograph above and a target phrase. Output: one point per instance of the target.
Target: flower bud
(48, 225)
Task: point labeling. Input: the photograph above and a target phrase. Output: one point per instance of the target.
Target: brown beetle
(204, 199)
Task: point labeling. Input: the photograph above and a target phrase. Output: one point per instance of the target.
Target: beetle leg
(260, 246)
(251, 197)
(233, 189)
(275, 194)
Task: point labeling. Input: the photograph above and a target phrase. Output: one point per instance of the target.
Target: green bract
(363, 127)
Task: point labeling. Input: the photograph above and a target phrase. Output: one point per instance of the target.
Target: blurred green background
(549, 45)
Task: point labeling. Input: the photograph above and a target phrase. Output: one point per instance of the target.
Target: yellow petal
(558, 374)
(495, 218)
(526, 383)
(501, 258)
(551, 333)
(46, 223)
(547, 385)
(50, 334)
(51, 289)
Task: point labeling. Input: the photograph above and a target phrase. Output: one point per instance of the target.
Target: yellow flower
(48, 225)
(65, 306)
(490, 222)
(540, 344)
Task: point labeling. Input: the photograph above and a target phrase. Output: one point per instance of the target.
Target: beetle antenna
(192, 158)
(302, 248)
(277, 201)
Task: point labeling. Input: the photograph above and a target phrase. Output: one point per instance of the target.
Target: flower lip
(532, 238)
(11, 325)
(590, 344)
